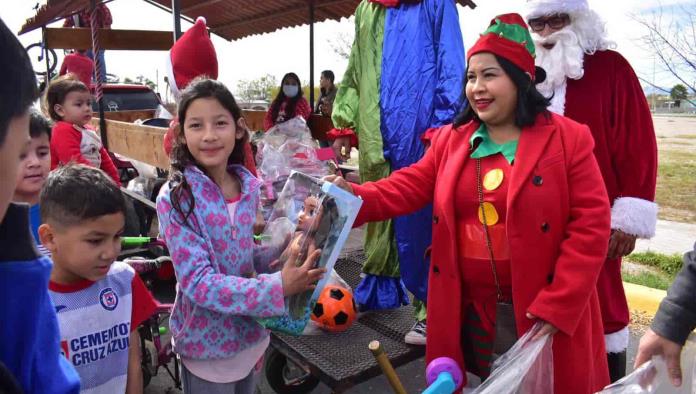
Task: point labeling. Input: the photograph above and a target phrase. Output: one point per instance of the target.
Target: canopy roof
(230, 19)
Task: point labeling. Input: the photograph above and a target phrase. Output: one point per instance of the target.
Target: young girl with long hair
(206, 215)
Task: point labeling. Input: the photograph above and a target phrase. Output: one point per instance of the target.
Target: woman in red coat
(517, 195)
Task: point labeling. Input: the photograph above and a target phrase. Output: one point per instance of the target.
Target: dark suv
(121, 97)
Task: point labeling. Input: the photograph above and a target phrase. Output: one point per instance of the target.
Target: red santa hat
(191, 56)
(539, 8)
(508, 37)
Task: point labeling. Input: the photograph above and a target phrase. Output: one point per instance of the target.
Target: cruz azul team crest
(108, 299)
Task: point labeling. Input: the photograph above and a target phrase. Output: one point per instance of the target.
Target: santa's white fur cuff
(616, 342)
(634, 216)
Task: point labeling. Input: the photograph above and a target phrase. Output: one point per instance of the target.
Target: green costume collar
(487, 147)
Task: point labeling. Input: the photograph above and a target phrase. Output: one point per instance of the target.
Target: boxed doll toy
(309, 214)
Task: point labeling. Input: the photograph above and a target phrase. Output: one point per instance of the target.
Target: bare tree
(671, 37)
(342, 42)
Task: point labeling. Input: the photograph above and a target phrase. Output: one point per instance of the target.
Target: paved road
(670, 237)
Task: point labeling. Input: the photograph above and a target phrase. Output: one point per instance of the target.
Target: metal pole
(44, 52)
(311, 54)
(99, 76)
(386, 366)
(176, 12)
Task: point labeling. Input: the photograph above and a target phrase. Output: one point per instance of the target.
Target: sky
(288, 49)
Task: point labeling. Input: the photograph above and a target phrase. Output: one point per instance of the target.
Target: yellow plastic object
(491, 214)
(493, 179)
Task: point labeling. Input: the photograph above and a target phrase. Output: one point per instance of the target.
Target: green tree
(679, 93)
(142, 80)
(257, 89)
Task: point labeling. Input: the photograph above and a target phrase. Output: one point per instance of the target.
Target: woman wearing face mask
(288, 104)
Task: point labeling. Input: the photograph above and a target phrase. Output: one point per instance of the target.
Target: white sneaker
(417, 334)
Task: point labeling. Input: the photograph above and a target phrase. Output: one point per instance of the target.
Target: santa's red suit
(609, 99)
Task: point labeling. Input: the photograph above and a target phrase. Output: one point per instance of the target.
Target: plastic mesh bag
(527, 368)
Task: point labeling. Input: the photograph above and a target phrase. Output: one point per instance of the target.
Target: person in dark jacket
(328, 93)
(674, 321)
(30, 356)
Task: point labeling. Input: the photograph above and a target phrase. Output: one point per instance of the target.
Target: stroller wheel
(285, 377)
(146, 366)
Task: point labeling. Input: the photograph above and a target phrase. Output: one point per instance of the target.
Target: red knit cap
(508, 37)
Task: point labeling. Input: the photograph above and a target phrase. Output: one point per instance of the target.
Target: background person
(288, 103)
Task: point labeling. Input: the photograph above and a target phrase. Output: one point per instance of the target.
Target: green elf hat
(508, 37)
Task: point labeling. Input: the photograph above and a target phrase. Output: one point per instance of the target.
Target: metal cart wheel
(285, 377)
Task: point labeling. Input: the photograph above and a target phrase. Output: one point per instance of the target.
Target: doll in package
(309, 214)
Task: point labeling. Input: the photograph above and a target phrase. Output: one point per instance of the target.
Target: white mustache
(564, 60)
(565, 35)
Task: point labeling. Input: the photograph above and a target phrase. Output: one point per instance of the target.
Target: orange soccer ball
(335, 309)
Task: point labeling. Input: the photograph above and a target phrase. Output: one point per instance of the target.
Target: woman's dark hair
(18, 88)
(59, 89)
(530, 103)
(280, 98)
(180, 157)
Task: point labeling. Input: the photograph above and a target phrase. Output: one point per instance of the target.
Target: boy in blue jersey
(99, 302)
(30, 360)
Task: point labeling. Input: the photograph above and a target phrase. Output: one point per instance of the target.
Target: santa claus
(592, 84)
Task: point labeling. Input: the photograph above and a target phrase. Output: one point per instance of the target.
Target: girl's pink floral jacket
(217, 297)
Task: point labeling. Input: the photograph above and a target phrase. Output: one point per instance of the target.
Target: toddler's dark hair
(59, 89)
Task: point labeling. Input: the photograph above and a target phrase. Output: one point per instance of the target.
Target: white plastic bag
(652, 376)
(527, 368)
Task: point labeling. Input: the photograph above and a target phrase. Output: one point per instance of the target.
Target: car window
(127, 100)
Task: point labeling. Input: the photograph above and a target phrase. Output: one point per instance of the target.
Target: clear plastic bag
(284, 148)
(309, 215)
(335, 279)
(652, 376)
(527, 368)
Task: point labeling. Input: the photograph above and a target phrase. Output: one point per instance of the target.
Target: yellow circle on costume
(491, 214)
(493, 179)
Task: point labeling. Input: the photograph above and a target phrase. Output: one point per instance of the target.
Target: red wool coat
(557, 222)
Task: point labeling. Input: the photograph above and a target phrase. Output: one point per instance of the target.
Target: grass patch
(668, 264)
(649, 279)
(676, 182)
(651, 269)
(686, 136)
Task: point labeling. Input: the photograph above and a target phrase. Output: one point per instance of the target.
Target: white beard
(564, 60)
